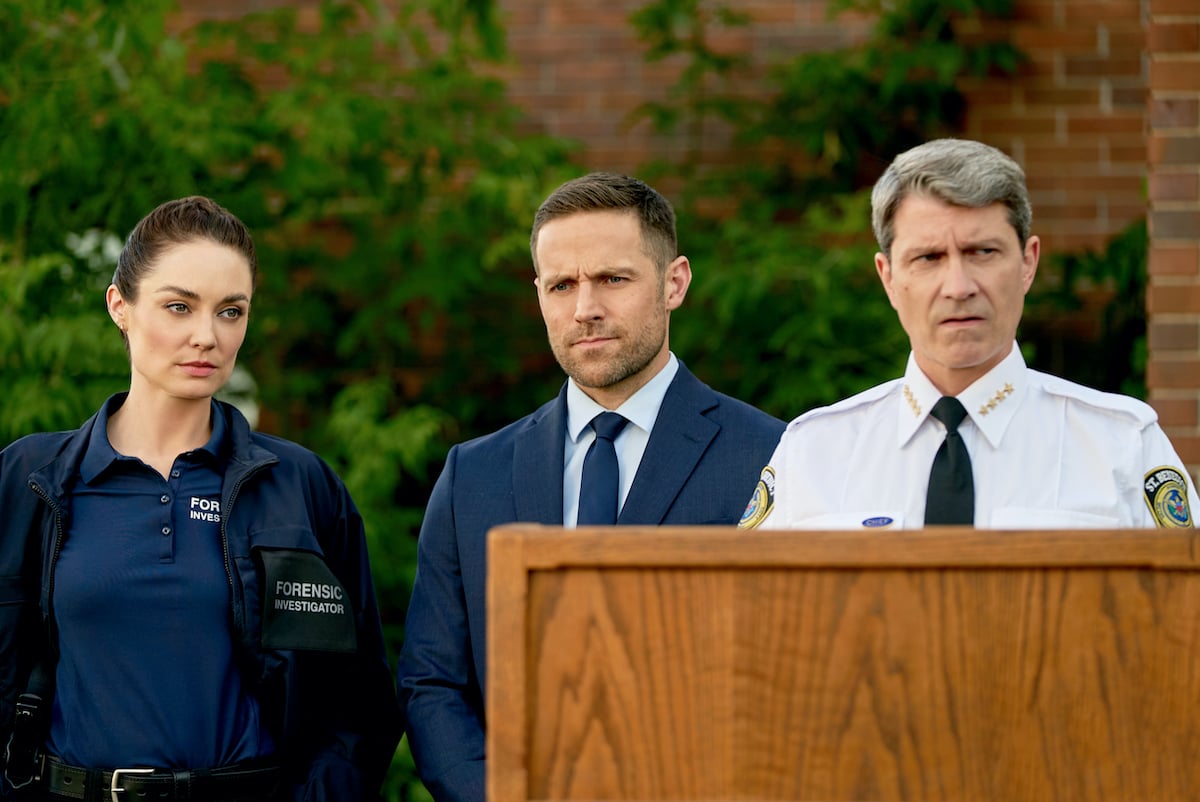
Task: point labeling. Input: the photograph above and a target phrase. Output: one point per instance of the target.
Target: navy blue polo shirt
(146, 674)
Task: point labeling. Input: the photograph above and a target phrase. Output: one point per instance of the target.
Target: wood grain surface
(921, 666)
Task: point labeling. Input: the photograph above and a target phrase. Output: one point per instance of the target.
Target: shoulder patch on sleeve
(1166, 492)
(762, 502)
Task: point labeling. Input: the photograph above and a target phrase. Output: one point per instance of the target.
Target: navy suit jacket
(700, 467)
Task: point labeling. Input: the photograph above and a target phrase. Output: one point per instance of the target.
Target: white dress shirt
(641, 409)
(1046, 453)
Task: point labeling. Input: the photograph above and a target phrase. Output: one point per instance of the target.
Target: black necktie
(951, 496)
(600, 488)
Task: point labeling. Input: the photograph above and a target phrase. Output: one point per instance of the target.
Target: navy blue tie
(599, 489)
(951, 494)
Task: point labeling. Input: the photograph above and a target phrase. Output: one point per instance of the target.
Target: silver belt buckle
(113, 790)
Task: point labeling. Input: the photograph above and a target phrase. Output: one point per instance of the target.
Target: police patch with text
(762, 502)
(1167, 497)
(304, 604)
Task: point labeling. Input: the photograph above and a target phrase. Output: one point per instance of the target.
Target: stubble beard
(599, 372)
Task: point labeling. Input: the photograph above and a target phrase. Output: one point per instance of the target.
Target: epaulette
(869, 396)
(1139, 411)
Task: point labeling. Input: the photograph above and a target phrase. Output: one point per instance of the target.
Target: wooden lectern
(701, 663)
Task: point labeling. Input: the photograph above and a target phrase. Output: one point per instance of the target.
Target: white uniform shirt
(1046, 453)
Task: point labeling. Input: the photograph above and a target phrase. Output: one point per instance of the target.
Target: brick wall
(1109, 87)
(1074, 118)
(1105, 117)
(580, 70)
(1173, 298)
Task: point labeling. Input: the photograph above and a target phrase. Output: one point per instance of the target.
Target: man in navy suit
(608, 276)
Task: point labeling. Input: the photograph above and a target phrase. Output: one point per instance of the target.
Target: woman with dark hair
(187, 611)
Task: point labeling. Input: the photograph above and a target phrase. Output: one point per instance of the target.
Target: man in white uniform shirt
(956, 259)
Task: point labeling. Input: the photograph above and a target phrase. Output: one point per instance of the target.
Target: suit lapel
(538, 464)
(680, 437)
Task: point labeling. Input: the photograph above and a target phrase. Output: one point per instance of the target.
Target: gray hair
(957, 171)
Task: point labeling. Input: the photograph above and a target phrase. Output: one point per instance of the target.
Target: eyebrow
(605, 271)
(982, 242)
(195, 296)
(987, 242)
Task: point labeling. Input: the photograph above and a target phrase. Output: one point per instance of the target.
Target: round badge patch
(1167, 497)
(762, 502)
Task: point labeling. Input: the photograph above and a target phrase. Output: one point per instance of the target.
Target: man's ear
(1029, 261)
(676, 280)
(883, 266)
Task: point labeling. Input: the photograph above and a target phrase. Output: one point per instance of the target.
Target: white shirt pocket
(1028, 518)
(869, 519)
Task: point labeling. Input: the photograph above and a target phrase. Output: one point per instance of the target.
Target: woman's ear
(116, 306)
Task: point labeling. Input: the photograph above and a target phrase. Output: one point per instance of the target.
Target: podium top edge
(540, 546)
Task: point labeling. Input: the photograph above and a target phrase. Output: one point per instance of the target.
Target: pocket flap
(304, 604)
(1026, 518)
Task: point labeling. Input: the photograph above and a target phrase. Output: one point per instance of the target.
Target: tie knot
(608, 425)
(950, 411)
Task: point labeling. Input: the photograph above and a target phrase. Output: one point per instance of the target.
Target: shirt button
(175, 474)
(166, 530)
(165, 499)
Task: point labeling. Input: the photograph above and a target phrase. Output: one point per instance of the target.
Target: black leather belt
(231, 784)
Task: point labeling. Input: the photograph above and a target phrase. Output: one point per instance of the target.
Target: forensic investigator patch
(762, 502)
(304, 604)
(1167, 497)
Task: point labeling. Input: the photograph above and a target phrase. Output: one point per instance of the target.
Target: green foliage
(1086, 314)
(383, 173)
(59, 352)
(683, 28)
(782, 315)
(786, 310)
(377, 165)
(832, 119)
(381, 449)
(851, 110)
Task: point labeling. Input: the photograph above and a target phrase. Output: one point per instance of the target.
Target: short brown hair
(597, 192)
